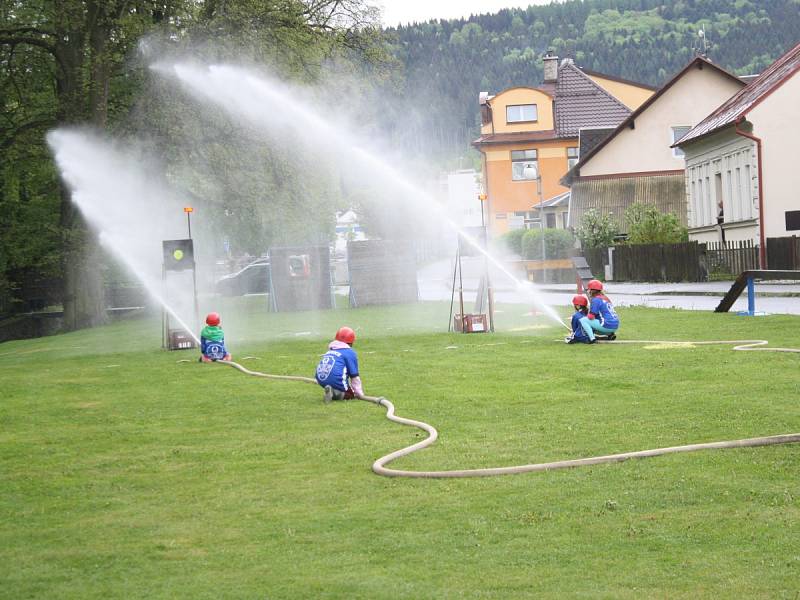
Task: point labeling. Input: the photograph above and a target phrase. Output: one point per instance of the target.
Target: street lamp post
(489, 292)
(532, 172)
(189, 210)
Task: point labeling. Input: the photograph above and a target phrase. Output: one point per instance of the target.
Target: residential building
(742, 180)
(635, 163)
(529, 138)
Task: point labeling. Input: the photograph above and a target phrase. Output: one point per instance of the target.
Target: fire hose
(380, 468)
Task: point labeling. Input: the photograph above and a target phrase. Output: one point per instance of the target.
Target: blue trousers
(592, 325)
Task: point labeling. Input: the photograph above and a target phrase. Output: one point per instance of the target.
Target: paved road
(436, 281)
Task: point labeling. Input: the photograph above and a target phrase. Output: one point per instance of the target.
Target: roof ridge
(748, 97)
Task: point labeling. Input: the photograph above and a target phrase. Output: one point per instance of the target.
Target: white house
(742, 180)
(635, 162)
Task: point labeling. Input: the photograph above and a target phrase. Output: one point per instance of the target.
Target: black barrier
(382, 272)
(300, 278)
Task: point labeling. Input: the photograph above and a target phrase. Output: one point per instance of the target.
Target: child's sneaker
(611, 337)
(328, 394)
(592, 341)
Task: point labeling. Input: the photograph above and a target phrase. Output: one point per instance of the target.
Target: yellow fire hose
(379, 466)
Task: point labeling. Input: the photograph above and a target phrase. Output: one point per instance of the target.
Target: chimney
(550, 61)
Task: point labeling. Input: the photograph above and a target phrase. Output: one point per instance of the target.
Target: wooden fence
(659, 262)
(688, 261)
(731, 257)
(783, 253)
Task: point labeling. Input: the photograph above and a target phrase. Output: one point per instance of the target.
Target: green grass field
(125, 473)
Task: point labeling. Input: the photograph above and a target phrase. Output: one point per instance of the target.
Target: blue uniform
(578, 332)
(214, 350)
(602, 308)
(336, 368)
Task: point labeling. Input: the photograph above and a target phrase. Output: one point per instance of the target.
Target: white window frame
(676, 133)
(519, 116)
(520, 163)
(573, 156)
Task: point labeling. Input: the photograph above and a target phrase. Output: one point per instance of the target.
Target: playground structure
(747, 280)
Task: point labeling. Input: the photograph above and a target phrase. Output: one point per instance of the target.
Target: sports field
(126, 473)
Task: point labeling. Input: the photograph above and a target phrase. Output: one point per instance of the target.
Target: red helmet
(212, 319)
(580, 300)
(594, 284)
(346, 335)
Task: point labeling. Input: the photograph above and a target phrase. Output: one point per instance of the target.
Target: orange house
(529, 139)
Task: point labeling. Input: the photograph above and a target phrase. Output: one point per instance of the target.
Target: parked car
(253, 278)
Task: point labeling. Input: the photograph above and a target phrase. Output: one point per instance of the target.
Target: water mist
(280, 109)
(131, 213)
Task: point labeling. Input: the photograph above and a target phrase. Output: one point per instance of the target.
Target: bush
(513, 240)
(648, 225)
(596, 230)
(558, 243)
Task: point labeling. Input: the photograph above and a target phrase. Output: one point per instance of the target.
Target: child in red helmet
(212, 340)
(337, 370)
(581, 328)
(602, 316)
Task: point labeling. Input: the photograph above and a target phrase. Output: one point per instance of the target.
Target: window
(522, 161)
(572, 157)
(678, 132)
(792, 220)
(521, 113)
(550, 220)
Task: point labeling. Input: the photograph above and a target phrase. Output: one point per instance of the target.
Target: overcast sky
(396, 12)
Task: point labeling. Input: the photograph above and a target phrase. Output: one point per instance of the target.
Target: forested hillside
(447, 63)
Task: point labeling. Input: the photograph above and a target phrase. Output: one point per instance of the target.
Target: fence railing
(731, 257)
(691, 261)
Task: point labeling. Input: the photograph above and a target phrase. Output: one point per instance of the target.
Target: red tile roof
(739, 105)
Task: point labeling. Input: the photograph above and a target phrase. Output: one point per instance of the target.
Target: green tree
(647, 225)
(69, 62)
(596, 230)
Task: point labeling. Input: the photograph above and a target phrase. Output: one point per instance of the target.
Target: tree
(76, 46)
(647, 225)
(65, 63)
(596, 230)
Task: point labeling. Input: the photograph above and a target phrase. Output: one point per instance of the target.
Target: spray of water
(279, 108)
(129, 209)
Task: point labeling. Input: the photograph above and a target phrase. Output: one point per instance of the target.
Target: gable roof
(580, 102)
(600, 75)
(698, 62)
(737, 107)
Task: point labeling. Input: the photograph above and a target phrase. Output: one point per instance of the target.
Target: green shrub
(596, 230)
(558, 243)
(513, 240)
(648, 225)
